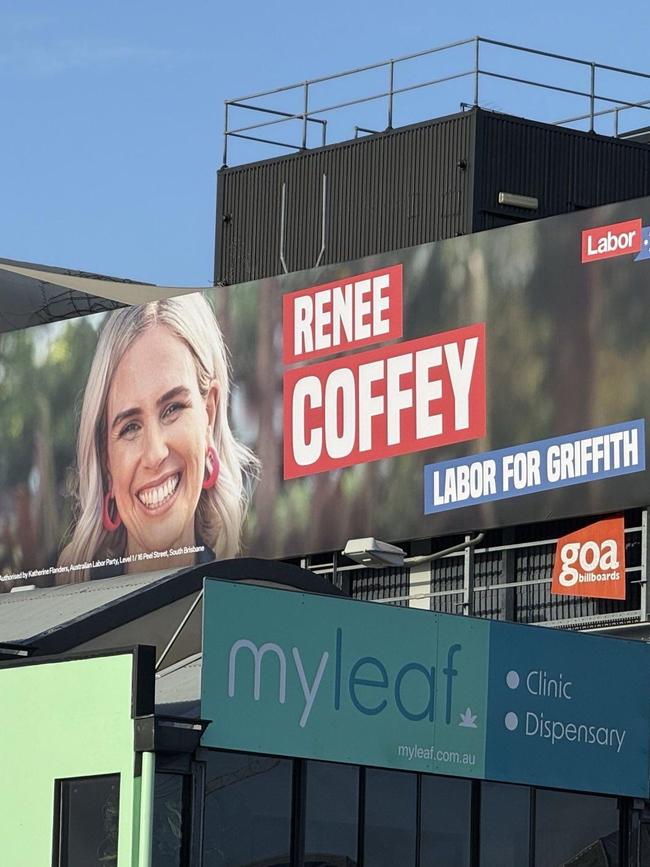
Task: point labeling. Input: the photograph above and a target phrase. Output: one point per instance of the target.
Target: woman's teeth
(154, 497)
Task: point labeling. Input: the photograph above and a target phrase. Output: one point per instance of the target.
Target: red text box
(342, 315)
(411, 396)
(617, 239)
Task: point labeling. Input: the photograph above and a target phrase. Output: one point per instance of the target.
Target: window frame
(187, 808)
(59, 833)
(297, 814)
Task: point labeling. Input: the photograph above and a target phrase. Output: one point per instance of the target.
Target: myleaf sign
(329, 678)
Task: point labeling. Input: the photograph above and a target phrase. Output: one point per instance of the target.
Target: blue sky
(113, 112)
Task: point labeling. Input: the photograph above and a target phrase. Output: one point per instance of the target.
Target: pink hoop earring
(110, 524)
(211, 480)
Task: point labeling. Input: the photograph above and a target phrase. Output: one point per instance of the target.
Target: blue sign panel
(557, 462)
(568, 710)
(339, 680)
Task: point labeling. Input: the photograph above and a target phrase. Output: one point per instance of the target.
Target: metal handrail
(622, 105)
(417, 592)
(479, 70)
(357, 69)
(326, 567)
(359, 101)
(436, 594)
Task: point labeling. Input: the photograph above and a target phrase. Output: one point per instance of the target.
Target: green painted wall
(63, 719)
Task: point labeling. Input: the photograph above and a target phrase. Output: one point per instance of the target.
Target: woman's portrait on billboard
(158, 467)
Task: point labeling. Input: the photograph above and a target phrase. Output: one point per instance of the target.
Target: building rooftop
(133, 609)
(32, 614)
(178, 688)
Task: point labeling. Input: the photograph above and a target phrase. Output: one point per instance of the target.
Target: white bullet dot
(512, 679)
(511, 721)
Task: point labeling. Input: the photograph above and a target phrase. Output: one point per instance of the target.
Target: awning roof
(34, 294)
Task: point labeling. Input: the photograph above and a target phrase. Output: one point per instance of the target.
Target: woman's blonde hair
(221, 510)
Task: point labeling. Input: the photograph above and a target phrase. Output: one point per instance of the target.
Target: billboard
(482, 381)
(305, 675)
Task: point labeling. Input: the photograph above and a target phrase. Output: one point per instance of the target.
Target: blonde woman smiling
(158, 467)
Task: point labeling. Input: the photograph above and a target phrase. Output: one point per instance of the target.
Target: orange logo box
(591, 561)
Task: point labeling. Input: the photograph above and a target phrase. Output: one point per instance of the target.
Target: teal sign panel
(568, 710)
(334, 679)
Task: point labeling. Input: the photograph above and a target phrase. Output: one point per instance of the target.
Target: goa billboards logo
(591, 561)
(616, 239)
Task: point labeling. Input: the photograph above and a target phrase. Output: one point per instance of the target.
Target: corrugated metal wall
(383, 192)
(565, 169)
(371, 584)
(414, 185)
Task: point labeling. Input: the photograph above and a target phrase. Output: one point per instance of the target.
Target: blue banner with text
(557, 462)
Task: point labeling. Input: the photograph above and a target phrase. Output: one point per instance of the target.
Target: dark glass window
(445, 821)
(171, 820)
(247, 816)
(505, 825)
(389, 818)
(331, 803)
(644, 845)
(86, 822)
(581, 830)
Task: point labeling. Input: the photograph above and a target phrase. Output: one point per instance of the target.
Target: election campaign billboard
(487, 380)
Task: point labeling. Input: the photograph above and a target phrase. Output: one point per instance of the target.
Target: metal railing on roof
(481, 62)
(506, 581)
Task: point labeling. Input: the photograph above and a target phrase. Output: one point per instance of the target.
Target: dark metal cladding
(413, 185)
(566, 170)
(383, 192)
